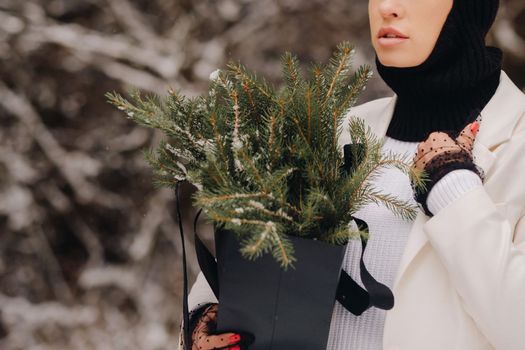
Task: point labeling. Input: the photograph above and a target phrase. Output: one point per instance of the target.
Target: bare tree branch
(74, 173)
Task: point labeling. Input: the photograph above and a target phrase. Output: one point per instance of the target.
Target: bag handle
(185, 309)
(379, 295)
(206, 259)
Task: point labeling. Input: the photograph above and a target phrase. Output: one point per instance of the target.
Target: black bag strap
(185, 310)
(206, 259)
(380, 295)
(351, 295)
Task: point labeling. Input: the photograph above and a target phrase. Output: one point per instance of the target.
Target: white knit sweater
(388, 236)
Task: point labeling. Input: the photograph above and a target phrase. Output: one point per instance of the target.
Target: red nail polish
(235, 338)
(475, 128)
(236, 347)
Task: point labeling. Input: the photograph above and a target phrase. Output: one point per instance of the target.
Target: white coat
(461, 280)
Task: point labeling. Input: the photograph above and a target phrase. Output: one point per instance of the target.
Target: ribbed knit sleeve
(451, 187)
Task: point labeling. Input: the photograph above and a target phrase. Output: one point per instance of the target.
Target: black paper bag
(289, 309)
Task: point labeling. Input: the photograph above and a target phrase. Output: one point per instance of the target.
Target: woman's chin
(397, 60)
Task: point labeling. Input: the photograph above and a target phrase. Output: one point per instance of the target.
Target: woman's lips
(389, 36)
(391, 41)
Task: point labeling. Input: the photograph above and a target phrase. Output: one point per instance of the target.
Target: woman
(458, 270)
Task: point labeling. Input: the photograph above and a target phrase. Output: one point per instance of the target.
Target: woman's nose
(390, 8)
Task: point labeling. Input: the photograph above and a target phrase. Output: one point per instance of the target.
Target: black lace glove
(204, 336)
(441, 153)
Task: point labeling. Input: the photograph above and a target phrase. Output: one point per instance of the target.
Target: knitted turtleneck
(449, 89)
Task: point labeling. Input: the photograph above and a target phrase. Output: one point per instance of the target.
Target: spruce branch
(338, 68)
(291, 72)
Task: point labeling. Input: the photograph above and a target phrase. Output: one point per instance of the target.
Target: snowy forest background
(89, 249)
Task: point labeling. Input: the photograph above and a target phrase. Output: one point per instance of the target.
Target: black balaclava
(449, 89)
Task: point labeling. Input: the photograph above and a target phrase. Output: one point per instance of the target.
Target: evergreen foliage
(266, 161)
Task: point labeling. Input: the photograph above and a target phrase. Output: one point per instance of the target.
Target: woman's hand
(205, 338)
(440, 154)
(439, 142)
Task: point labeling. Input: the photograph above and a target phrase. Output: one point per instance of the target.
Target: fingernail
(235, 338)
(236, 347)
(475, 128)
